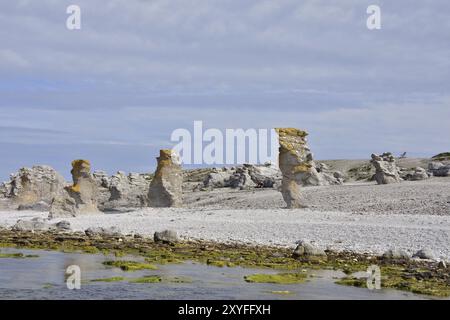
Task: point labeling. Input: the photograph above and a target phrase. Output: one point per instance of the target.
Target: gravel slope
(430, 197)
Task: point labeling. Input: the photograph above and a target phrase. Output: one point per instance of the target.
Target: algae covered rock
(166, 187)
(79, 198)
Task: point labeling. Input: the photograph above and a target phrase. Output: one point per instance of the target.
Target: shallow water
(43, 277)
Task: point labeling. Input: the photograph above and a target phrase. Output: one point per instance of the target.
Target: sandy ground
(361, 217)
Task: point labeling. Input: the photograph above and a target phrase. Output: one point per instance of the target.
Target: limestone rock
(39, 225)
(122, 192)
(218, 178)
(166, 187)
(79, 198)
(386, 170)
(241, 179)
(414, 175)
(30, 186)
(38, 206)
(296, 165)
(166, 236)
(424, 254)
(103, 232)
(305, 249)
(439, 169)
(265, 176)
(396, 254)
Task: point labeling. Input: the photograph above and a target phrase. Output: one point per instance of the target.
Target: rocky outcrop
(416, 174)
(439, 169)
(244, 177)
(32, 187)
(166, 186)
(386, 170)
(296, 165)
(122, 192)
(79, 198)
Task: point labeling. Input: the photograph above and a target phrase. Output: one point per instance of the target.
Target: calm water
(44, 278)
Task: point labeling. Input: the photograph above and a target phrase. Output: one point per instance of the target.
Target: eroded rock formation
(439, 169)
(386, 170)
(296, 165)
(79, 198)
(166, 187)
(122, 192)
(32, 187)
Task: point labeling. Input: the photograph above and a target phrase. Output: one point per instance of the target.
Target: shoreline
(337, 231)
(418, 276)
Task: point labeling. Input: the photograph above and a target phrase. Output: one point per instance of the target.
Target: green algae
(17, 255)
(130, 265)
(112, 279)
(280, 278)
(281, 292)
(146, 279)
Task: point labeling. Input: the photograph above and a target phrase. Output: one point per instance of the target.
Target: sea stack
(296, 164)
(79, 198)
(166, 186)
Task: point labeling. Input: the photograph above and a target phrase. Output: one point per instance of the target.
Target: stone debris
(32, 187)
(79, 198)
(386, 170)
(166, 186)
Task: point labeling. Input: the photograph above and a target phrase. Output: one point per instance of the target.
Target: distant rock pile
(166, 186)
(121, 192)
(244, 177)
(416, 174)
(32, 188)
(386, 170)
(79, 198)
(439, 169)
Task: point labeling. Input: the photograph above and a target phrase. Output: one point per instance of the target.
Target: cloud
(139, 69)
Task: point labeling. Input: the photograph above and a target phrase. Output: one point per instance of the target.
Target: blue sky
(114, 91)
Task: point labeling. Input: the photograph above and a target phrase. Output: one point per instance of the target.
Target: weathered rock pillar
(166, 186)
(296, 164)
(386, 168)
(79, 198)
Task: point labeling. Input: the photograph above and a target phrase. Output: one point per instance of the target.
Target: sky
(114, 91)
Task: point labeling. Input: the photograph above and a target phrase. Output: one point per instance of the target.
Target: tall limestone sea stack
(166, 186)
(79, 198)
(296, 164)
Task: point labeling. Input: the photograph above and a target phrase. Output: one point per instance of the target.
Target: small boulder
(35, 224)
(395, 254)
(41, 206)
(424, 254)
(102, 232)
(305, 249)
(166, 236)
